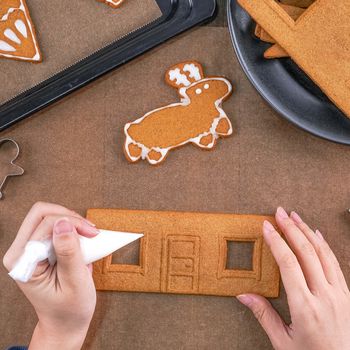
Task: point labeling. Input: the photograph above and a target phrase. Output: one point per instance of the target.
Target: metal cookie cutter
(15, 170)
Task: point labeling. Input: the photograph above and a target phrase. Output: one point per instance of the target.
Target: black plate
(283, 84)
(177, 16)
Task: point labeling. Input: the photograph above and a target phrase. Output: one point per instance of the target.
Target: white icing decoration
(21, 27)
(185, 101)
(4, 46)
(198, 91)
(115, 3)
(36, 57)
(193, 70)
(180, 78)
(10, 34)
(206, 86)
(22, 8)
(6, 15)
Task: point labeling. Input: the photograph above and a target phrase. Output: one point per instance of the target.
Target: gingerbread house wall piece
(186, 253)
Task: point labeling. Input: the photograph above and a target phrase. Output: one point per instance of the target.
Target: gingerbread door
(181, 264)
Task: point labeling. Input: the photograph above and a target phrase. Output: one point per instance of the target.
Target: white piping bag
(93, 249)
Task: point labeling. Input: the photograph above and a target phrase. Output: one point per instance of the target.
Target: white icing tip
(36, 57)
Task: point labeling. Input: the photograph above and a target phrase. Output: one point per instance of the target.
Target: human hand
(317, 293)
(63, 295)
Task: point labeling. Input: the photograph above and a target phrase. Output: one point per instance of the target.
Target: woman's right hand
(318, 296)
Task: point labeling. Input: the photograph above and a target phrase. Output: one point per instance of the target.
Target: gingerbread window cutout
(128, 255)
(186, 253)
(255, 272)
(239, 255)
(116, 265)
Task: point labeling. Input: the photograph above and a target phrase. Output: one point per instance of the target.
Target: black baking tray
(283, 84)
(177, 16)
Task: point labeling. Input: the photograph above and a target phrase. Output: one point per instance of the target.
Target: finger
(70, 264)
(327, 262)
(90, 267)
(44, 231)
(40, 270)
(36, 214)
(327, 254)
(269, 319)
(304, 251)
(292, 276)
(45, 228)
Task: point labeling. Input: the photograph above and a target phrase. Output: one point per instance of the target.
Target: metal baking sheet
(176, 17)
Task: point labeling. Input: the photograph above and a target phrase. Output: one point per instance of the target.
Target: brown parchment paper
(72, 154)
(69, 31)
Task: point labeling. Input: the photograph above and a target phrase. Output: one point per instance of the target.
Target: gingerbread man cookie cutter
(15, 170)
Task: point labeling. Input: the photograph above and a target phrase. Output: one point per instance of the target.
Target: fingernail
(94, 230)
(246, 300)
(296, 217)
(89, 222)
(63, 226)
(319, 235)
(267, 227)
(282, 213)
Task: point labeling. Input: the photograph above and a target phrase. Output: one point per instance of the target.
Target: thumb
(268, 317)
(67, 249)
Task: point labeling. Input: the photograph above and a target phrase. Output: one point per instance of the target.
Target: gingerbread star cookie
(198, 119)
(17, 34)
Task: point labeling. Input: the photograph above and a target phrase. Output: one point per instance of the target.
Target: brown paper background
(72, 154)
(69, 31)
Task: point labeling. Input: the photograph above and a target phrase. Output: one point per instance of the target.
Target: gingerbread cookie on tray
(17, 34)
(198, 119)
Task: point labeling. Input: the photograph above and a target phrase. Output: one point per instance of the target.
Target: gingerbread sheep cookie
(17, 34)
(198, 119)
(112, 3)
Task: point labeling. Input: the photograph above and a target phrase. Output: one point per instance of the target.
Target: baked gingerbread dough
(186, 253)
(17, 34)
(318, 42)
(198, 119)
(276, 51)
